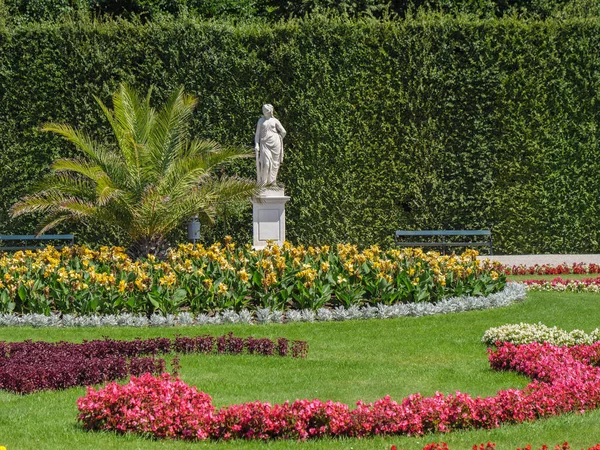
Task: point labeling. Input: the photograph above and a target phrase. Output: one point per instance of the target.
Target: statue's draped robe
(269, 136)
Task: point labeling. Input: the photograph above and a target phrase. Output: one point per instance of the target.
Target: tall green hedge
(21, 11)
(435, 122)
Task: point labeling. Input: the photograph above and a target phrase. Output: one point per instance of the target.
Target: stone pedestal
(269, 217)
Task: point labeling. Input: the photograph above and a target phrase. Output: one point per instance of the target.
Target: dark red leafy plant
(32, 366)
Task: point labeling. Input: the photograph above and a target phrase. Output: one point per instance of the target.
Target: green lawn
(347, 362)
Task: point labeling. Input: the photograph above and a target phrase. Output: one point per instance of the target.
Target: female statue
(268, 144)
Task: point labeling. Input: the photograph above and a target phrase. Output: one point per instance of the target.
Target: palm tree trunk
(147, 245)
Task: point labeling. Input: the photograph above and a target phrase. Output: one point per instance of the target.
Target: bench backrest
(443, 233)
(32, 237)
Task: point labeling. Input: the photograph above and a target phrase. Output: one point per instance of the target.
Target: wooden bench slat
(32, 237)
(399, 234)
(28, 247)
(444, 233)
(438, 243)
(25, 238)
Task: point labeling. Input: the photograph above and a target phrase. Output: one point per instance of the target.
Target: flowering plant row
(31, 366)
(547, 269)
(564, 379)
(559, 284)
(512, 292)
(492, 446)
(526, 333)
(223, 276)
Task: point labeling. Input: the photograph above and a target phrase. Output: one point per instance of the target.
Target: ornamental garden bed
(28, 366)
(195, 279)
(348, 361)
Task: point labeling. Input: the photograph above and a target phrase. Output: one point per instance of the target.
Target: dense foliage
(37, 10)
(565, 379)
(220, 277)
(425, 123)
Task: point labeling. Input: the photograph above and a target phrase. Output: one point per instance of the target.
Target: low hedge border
(28, 366)
(513, 292)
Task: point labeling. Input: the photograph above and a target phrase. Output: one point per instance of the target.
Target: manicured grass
(347, 361)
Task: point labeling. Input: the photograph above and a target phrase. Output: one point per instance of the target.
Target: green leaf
(22, 293)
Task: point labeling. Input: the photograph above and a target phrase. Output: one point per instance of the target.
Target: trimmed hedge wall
(20, 11)
(435, 122)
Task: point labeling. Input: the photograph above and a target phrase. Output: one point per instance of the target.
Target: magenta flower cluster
(32, 366)
(564, 379)
(492, 446)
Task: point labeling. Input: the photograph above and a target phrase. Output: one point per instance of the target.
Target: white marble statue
(268, 143)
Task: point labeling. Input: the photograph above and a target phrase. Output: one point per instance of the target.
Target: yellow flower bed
(224, 276)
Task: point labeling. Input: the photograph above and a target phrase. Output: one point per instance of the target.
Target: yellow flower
(269, 279)
(207, 283)
(139, 282)
(280, 263)
(222, 288)
(325, 267)
(122, 286)
(243, 275)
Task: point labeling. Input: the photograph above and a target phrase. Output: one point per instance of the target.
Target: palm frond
(52, 201)
(168, 135)
(200, 161)
(51, 221)
(66, 183)
(77, 137)
(90, 170)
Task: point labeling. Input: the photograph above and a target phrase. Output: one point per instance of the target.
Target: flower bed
(512, 292)
(547, 269)
(492, 445)
(564, 379)
(32, 366)
(224, 277)
(526, 333)
(559, 284)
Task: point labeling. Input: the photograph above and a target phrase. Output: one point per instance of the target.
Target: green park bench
(27, 238)
(439, 238)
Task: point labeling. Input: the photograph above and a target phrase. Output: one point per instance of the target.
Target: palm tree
(153, 179)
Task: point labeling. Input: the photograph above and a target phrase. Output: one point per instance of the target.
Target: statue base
(268, 216)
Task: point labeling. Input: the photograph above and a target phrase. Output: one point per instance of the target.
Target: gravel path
(531, 260)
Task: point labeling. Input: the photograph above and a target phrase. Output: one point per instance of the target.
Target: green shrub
(431, 122)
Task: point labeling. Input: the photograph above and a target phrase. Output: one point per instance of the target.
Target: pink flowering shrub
(492, 446)
(564, 379)
(162, 406)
